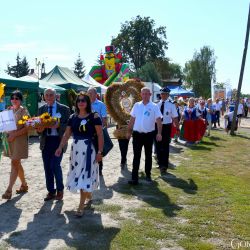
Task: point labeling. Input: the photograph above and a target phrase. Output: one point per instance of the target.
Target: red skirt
(173, 130)
(194, 130)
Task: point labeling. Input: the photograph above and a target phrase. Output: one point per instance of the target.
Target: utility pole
(241, 74)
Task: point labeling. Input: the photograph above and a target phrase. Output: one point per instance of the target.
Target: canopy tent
(29, 89)
(93, 83)
(43, 85)
(65, 78)
(179, 91)
(18, 83)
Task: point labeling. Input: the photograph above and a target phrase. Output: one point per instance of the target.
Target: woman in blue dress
(83, 175)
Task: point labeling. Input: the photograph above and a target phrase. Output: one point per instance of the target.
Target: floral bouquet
(45, 120)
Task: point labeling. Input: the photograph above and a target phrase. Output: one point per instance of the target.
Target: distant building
(172, 82)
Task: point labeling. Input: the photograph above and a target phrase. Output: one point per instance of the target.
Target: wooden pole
(241, 74)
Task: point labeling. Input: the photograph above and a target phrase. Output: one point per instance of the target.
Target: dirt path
(27, 222)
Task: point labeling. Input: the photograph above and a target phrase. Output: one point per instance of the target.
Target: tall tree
(20, 69)
(200, 72)
(24, 67)
(140, 41)
(79, 67)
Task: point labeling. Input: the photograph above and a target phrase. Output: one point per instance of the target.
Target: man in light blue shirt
(101, 109)
(98, 106)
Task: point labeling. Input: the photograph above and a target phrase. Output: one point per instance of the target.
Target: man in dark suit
(49, 141)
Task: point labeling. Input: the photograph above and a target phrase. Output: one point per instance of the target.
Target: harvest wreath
(120, 98)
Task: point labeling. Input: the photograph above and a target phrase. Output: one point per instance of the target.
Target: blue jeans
(52, 165)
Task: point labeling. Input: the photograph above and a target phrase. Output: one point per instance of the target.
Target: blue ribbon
(88, 142)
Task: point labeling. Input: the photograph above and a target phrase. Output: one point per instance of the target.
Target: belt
(143, 132)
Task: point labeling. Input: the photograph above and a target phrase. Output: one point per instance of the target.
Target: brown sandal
(7, 195)
(79, 213)
(22, 189)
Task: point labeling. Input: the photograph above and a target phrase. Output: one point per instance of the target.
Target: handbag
(108, 144)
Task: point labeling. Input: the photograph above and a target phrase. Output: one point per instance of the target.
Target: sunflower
(21, 122)
(25, 118)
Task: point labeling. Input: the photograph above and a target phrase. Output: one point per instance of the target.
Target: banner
(7, 121)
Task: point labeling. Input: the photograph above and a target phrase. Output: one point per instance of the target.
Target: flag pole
(241, 75)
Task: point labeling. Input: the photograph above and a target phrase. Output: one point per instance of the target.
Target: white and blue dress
(83, 168)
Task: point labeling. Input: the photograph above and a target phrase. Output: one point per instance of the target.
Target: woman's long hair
(86, 97)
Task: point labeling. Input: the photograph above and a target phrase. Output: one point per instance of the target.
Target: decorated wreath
(120, 98)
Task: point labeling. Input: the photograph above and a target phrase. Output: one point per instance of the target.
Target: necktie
(162, 107)
(50, 112)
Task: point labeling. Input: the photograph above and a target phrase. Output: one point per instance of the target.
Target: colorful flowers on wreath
(44, 120)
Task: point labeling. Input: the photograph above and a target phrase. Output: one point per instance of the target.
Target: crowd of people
(152, 125)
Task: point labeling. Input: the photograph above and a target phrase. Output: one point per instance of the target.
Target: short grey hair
(51, 90)
(146, 88)
(92, 89)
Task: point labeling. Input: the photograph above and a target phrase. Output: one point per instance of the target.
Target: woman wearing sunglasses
(18, 146)
(83, 175)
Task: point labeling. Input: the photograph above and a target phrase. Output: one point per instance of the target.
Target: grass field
(203, 204)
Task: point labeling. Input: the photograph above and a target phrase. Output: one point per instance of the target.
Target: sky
(56, 31)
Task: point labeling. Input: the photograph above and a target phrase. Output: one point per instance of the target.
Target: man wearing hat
(169, 115)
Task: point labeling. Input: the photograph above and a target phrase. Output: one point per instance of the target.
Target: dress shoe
(49, 197)
(163, 171)
(59, 195)
(123, 165)
(133, 182)
(148, 179)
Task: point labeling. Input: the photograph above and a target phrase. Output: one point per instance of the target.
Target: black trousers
(162, 147)
(123, 145)
(217, 117)
(142, 140)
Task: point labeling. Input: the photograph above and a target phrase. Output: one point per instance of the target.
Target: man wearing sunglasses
(49, 141)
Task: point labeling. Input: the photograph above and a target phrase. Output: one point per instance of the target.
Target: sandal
(88, 201)
(7, 195)
(79, 212)
(22, 189)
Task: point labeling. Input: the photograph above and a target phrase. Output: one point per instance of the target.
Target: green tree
(79, 67)
(24, 67)
(168, 70)
(140, 41)
(20, 69)
(147, 73)
(200, 72)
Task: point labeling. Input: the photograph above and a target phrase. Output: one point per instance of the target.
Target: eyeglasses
(81, 100)
(14, 98)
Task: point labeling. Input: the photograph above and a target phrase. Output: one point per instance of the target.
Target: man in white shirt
(144, 114)
(169, 114)
(217, 108)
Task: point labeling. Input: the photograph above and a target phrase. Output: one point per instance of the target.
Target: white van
(155, 90)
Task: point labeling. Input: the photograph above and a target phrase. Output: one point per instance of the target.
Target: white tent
(93, 83)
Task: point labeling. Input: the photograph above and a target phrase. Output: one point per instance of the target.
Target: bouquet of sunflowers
(45, 120)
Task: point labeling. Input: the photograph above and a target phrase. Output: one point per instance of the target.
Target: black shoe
(123, 165)
(49, 197)
(163, 171)
(148, 179)
(133, 182)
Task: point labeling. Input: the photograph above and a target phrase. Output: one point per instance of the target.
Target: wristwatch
(99, 152)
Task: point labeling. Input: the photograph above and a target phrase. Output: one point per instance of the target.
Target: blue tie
(50, 112)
